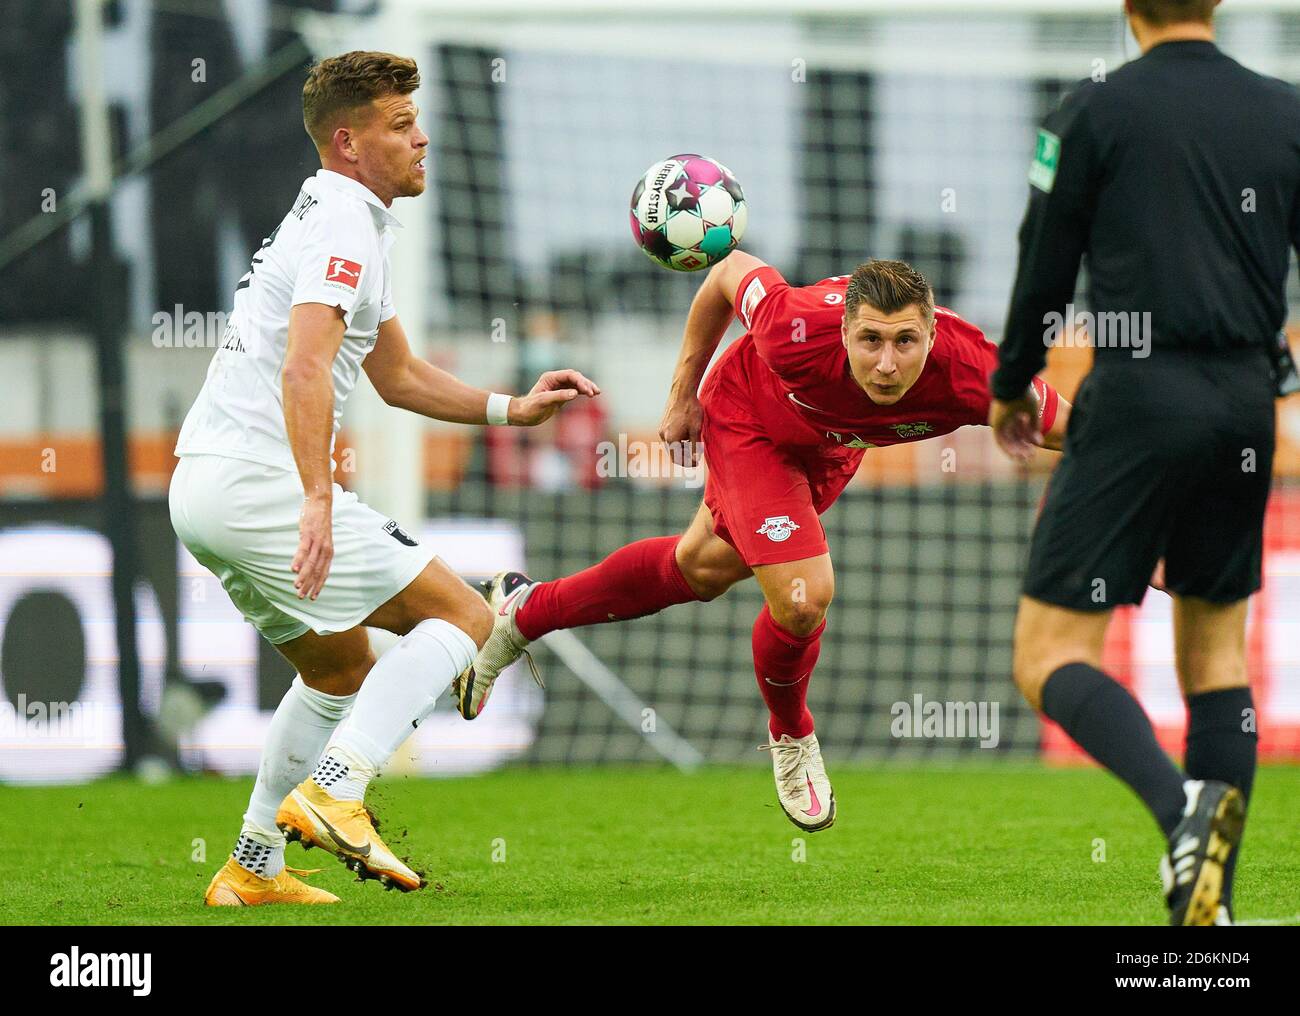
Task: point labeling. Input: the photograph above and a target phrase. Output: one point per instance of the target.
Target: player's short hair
(888, 286)
(339, 84)
(1170, 12)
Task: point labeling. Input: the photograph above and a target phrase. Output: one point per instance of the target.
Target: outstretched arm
(404, 380)
(706, 323)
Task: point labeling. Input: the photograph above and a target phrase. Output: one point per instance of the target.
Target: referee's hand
(1015, 426)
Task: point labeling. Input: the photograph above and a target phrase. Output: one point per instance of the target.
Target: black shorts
(1166, 457)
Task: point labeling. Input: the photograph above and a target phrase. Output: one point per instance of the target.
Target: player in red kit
(822, 373)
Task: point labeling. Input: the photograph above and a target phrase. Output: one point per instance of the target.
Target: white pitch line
(1271, 921)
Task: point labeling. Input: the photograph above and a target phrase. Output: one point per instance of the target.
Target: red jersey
(793, 365)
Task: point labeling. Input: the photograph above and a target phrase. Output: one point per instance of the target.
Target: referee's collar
(1185, 47)
(357, 189)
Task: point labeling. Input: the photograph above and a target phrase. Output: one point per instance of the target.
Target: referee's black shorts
(1169, 457)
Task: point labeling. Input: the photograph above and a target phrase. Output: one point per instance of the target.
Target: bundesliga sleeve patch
(754, 294)
(1047, 156)
(343, 273)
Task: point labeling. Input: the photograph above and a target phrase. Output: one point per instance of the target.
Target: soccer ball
(688, 213)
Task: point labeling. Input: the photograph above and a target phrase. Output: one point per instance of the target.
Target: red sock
(641, 578)
(787, 660)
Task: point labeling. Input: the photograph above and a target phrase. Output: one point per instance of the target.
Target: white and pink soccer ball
(688, 213)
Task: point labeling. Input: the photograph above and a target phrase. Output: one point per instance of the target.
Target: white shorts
(240, 521)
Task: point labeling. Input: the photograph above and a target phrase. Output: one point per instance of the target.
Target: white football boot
(802, 785)
(505, 593)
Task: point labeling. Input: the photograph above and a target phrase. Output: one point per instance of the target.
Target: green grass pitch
(963, 845)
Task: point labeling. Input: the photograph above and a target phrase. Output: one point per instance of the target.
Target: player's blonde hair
(888, 286)
(341, 84)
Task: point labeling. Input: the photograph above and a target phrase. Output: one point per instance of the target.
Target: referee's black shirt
(1179, 177)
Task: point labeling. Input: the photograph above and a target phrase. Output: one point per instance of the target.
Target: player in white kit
(306, 562)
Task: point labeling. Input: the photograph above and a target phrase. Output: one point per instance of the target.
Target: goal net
(856, 131)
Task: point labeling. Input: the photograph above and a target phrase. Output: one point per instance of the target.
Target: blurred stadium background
(142, 165)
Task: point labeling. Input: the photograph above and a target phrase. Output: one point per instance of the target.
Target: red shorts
(770, 475)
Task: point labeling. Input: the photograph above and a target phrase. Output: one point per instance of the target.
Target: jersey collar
(1185, 47)
(357, 189)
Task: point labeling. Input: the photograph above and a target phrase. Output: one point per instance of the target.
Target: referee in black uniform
(1179, 178)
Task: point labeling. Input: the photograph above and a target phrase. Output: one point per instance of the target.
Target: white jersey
(331, 248)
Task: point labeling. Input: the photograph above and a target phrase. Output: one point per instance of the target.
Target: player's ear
(343, 143)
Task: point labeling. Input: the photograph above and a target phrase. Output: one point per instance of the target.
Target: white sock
(400, 691)
(299, 731)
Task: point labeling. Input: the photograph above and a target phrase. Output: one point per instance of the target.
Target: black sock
(253, 856)
(1218, 748)
(1109, 724)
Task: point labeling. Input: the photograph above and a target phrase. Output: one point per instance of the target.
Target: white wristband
(498, 410)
